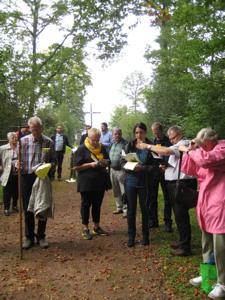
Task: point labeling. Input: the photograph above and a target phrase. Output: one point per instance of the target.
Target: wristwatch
(149, 147)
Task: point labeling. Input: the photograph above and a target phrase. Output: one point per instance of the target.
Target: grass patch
(179, 270)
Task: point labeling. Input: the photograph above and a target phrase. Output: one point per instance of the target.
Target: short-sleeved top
(171, 172)
(92, 179)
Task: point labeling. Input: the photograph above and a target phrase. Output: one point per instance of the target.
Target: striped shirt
(31, 152)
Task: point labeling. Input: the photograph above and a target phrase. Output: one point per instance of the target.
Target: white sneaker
(196, 281)
(218, 292)
(124, 214)
(43, 243)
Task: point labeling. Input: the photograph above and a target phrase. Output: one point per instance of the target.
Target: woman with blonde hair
(205, 158)
(91, 160)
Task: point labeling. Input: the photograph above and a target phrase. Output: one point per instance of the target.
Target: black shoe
(15, 209)
(153, 225)
(86, 234)
(180, 252)
(99, 231)
(168, 228)
(118, 211)
(145, 241)
(130, 243)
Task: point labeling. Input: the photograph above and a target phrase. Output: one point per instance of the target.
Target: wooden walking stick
(20, 193)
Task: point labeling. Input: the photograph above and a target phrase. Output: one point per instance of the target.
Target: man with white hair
(31, 155)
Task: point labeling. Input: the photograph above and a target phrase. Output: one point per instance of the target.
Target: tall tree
(133, 87)
(78, 22)
(188, 86)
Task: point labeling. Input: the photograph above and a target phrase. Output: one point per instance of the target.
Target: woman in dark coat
(91, 162)
(137, 185)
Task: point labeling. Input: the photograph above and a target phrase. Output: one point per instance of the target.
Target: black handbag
(183, 194)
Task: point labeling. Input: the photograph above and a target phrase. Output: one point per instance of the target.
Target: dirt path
(73, 268)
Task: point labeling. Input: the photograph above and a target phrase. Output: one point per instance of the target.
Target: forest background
(187, 87)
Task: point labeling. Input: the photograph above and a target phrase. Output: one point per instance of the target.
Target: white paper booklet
(131, 157)
(130, 165)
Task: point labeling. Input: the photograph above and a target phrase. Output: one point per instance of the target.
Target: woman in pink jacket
(205, 158)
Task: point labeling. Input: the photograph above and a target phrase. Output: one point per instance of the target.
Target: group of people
(100, 163)
(202, 167)
(32, 145)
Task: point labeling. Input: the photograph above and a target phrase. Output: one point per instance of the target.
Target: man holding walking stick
(32, 154)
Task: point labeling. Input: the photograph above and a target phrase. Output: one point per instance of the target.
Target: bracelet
(149, 147)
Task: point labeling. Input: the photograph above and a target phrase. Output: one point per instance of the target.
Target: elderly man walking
(32, 154)
(60, 141)
(116, 172)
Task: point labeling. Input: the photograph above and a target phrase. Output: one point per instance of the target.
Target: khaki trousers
(215, 243)
(117, 179)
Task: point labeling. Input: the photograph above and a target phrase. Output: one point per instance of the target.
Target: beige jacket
(41, 202)
(6, 155)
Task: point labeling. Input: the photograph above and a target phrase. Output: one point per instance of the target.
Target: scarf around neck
(94, 150)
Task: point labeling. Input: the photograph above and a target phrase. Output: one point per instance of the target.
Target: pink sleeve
(211, 159)
(188, 166)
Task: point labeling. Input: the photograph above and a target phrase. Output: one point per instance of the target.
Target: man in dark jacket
(160, 139)
(60, 141)
(84, 135)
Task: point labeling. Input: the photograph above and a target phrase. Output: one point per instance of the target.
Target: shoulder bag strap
(179, 169)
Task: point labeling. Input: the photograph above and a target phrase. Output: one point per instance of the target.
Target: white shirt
(171, 172)
(58, 142)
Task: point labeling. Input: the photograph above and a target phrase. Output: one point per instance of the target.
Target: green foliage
(60, 115)
(189, 82)
(126, 119)
(33, 75)
(9, 112)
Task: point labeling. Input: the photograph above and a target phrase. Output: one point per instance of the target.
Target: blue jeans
(132, 193)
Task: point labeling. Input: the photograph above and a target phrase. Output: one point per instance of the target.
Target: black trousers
(153, 202)
(132, 194)
(27, 184)
(59, 161)
(10, 191)
(182, 218)
(94, 200)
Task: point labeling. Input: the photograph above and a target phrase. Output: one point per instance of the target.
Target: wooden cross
(91, 112)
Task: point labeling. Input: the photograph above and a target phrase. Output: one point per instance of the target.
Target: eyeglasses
(172, 138)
